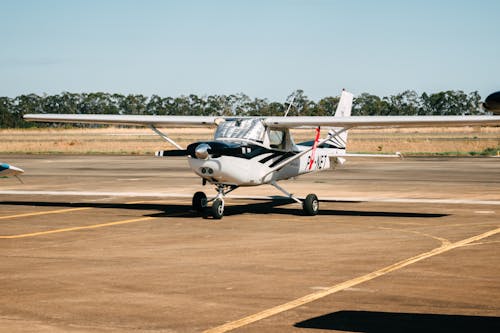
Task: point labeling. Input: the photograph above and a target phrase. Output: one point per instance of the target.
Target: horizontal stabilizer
(396, 155)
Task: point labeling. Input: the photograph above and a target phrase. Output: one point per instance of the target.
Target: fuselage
(244, 152)
(250, 165)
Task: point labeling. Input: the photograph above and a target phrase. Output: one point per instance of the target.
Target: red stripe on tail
(315, 145)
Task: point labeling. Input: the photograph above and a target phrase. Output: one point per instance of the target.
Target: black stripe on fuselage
(246, 151)
(282, 158)
(270, 157)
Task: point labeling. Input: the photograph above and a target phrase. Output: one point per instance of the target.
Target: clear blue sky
(264, 49)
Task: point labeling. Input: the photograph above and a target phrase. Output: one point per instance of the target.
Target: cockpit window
(277, 139)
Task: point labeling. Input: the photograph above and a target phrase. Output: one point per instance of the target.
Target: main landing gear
(200, 202)
(310, 205)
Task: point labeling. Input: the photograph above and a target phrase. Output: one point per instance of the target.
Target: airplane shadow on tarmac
(180, 210)
(391, 322)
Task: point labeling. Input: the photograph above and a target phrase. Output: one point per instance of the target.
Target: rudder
(343, 110)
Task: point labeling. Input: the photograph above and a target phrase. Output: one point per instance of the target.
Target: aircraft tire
(311, 205)
(218, 209)
(199, 201)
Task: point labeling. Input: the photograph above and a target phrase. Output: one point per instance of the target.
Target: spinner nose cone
(201, 151)
(492, 103)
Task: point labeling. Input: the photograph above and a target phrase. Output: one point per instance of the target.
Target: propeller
(204, 150)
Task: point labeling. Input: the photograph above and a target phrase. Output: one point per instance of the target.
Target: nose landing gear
(218, 209)
(200, 201)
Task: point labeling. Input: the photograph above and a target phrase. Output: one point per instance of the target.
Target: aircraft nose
(201, 151)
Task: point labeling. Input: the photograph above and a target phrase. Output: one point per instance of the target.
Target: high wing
(380, 121)
(279, 122)
(133, 120)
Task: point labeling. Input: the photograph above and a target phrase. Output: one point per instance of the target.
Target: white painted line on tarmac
(484, 212)
(250, 197)
(96, 193)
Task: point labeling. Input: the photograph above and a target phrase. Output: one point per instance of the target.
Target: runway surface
(110, 244)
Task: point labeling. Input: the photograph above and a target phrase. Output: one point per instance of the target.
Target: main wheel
(199, 201)
(218, 209)
(311, 205)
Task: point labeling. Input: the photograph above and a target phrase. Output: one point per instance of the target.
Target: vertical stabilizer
(345, 105)
(343, 110)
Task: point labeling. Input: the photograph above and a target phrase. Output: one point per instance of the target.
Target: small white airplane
(9, 170)
(252, 151)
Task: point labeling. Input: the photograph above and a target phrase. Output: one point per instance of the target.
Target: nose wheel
(218, 209)
(201, 202)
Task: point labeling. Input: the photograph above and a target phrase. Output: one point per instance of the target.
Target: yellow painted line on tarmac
(347, 284)
(57, 211)
(94, 226)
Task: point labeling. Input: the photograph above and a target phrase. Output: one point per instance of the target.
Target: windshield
(249, 129)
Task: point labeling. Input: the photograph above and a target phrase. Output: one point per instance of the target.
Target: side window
(277, 139)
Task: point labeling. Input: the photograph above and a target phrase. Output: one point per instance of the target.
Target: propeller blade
(170, 153)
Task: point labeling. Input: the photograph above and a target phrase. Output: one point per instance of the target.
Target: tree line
(405, 103)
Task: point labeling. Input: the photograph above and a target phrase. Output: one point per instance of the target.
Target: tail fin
(345, 105)
(343, 110)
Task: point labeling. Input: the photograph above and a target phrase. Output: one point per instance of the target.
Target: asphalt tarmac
(110, 244)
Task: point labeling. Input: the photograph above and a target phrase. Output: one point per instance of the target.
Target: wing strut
(165, 137)
(288, 194)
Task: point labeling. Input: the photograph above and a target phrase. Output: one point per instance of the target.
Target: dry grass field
(414, 141)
